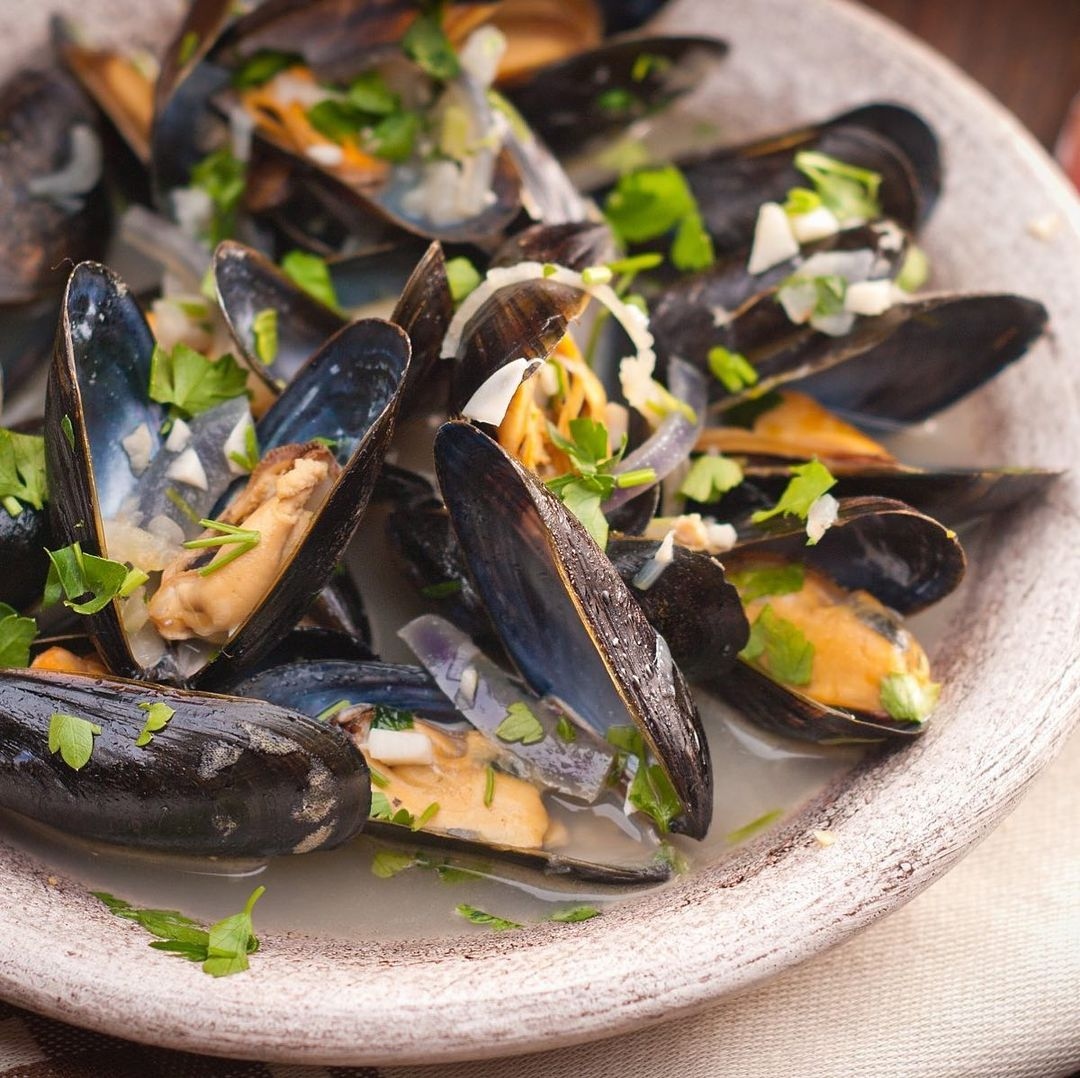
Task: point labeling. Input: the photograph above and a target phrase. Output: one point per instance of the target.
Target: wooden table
(1026, 52)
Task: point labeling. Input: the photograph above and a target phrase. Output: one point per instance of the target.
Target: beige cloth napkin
(978, 977)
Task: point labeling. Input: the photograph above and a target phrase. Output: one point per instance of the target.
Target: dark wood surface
(1026, 52)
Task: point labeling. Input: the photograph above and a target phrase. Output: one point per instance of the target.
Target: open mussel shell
(690, 605)
(349, 393)
(731, 184)
(227, 777)
(904, 558)
(22, 554)
(52, 201)
(901, 366)
(312, 687)
(576, 245)
(564, 615)
(605, 89)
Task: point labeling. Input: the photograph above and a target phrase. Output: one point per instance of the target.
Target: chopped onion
(821, 517)
(870, 297)
(79, 176)
(489, 403)
(400, 747)
(188, 469)
(774, 241)
(179, 437)
(481, 54)
(139, 446)
(815, 225)
(650, 572)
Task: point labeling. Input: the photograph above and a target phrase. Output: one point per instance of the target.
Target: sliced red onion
(484, 694)
(670, 444)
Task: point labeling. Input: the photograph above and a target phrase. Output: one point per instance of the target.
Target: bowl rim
(707, 935)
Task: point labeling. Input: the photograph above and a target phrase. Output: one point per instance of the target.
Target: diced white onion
(481, 54)
(851, 265)
(193, 210)
(79, 176)
(774, 241)
(489, 403)
(188, 469)
(821, 517)
(815, 225)
(694, 532)
(287, 88)
(241, 131)
(328, 155)
(179, 436)
(869, 297)
(139, 445)
(470, 681)
(236, 444)
(400, 747)
(650, 572)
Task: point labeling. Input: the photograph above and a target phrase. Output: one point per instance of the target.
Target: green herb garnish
(909, 698)
(22, 471)
(388, 863)
(520, 726)
(241, 539)
(425, 817)
(224, 178)
(69, 432)
(915, 270)
(158, 716)
(391, 718)
(648, 63)
(16, 635)
(489, 920)
(247, 461)
(312, 274)
(650, 791)
(809, 481)
(264, 326)
(426, 44)
(565, 731)
(780, 647)
(443, 590)
(73, 574)
(740, 834)
(192, 384)
(181, 503)
(617, 99)
(189, 45)
(574, 914)
(732, 369)
(369, 93)
(710, 477)
(328, 713)
(73, 738)
(262, 67)
(849, 191)
(462, 277)
(394, 137)
(381, 809)
(752, 584)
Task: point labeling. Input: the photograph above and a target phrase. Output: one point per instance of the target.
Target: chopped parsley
(779, 647)
(849, 191)
(710, 477)
(312, 274)
(262, 67)
(652, 202)
(908, 698)
(489, 785)
(426, 816)
(809, 481)
(752, 584)
(740, 834)
(69, 432)
(520, 726)
(192, 384)
(648, 63)
(574, 914)
(388, 863)
(73, 738)
(565, 731)
(592, 479)
(391, 718)
(189, 45)
(22, 471)
(489, 920)
(650, 790)
(73, 575)
(381, 809)
(223, 178)
(222, 949)
(181, 502)
(462, 276)
(242, 540)
(328, 713)
(16, 635)
(442, 590)
(264, 326)
(617, 99)
(426, 44)
(158, 716)
(732, 369)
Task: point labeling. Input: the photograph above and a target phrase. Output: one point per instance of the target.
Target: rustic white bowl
(900, 820)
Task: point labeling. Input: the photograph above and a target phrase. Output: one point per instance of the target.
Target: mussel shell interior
(564, 615)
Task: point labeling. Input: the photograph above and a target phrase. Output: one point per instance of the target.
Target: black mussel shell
(22, 554)
(576, 245)
(604, 90)
(227, 777)
(312, 687)
(47, 126)
(349, 393)
(905, 559)
(690, 605)
(564, 615)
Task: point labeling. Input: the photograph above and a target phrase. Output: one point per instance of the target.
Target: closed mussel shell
(226, 777)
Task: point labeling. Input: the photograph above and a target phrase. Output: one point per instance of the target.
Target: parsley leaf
(74, 574)
(242, 540)
(520, 725)
(192, 384)
(73, 738)
(849, 191)
(752, 584)
(732, 369)
(312, 274)
(908, 698)
(479, 917)
(391, 718)
(388, 863)
(786, 653)
(650, 791)
(189, 45)
(231, 941)
(264, 326)
(426, 44)
(809, 481)
(711, 476)
(462, 277)
(381, 809)
(16, 635)
(262, 67)
(22, 471)
(574, 914)
(224, 178)
(915, 270)
(564, 728)
(157, 718)
(489, 785)
(393, 138)
(692, 248)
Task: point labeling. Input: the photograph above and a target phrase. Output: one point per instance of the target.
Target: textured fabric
(978, 977)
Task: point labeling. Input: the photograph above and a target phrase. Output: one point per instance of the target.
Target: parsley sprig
(852, 193)
(192, 384)
(650, 791)
(592, 479)
(241, 539)
(223, 948)
(22, 471)
(73, 575)
(808, 482)
(780, 648)
(312, 274)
